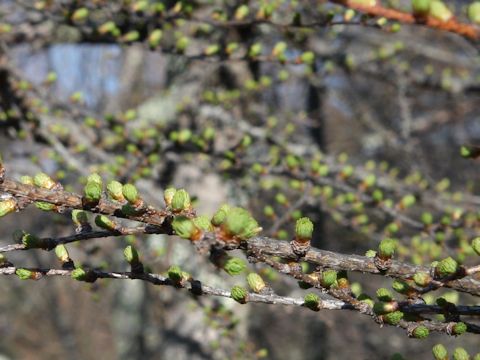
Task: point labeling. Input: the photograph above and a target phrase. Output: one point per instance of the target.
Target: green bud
(203, 223)
(401, 287)
(308, 57)
(7, 206)
(44, 206)
(80, 14)
(44, 181)
(220, 216)
(62, 253)
(234, 266)
(440, 11)
(384, 294)
(239, 294)
(473, 12)
(329, 278)
(304, 229)
(255, 282)
(241, 12)
(175, 273)
(24, 274)
(408, 201)
(78, 274)
(115, 190)
(460, 354)
(27, 180)
(31, 241)
(420, 332)
(422, 279)
(95, 178)
(93, 191)
(370, 253)
(311, 301)
(393, 318)
(131, 255)
(184, 227)
(155, 37)
(366, 299)
(421, 7)
(446, 267)
(130, 193)
(168, 195)
(439, 352)
(105, 222)
(181, 200)
(281, 199)
(427, 218)
(270, 212)
(476, 245)
(79, 217)
(459, 328)
(387, 247)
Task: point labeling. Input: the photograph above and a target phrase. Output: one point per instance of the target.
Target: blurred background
(76, 97)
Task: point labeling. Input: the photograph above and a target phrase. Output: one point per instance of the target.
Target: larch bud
(93, 191)
(446, 267)
(387, 248)
(130, 193)
(440, 352)
(131, 255)
(420, 332)
(440, 11)
(7, 206)
(240, 223)
(311, 301)
(239, 294)
(24, 274)
(78, 274)
(473, 12)
(393, 318)
(105, 222)
(44, 181)
(255, 282)
(476, 245)
(181, 200)
(459, 328)
(234, 266)
(384, 294)
(168, 195)
(460, 354)
(328, 278)
(62, 253)
(422, 279)
(184, 227)
(304, 229)
(115, 190)
(175, 273)
(421, 7)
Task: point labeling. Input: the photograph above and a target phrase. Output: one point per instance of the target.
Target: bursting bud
(80, 14)
(420, 332)
(44, 181)
(381, 308)
(255, 282)
(476, 245)
(439, 352)
(203, 223)
(105, 222)
(234, 266)
(184, 227)
(78, 274)
(393, 318)
(446, 267)
(387, 247)
(62, 253)
(24, 274)
(240, 223)
(460, 354)
(7, 206)
(239, 294)
(304, 229)
(440, 11)
(422, 279)
(130, 193)
(459, 328)
(329, 278)
(473, 12)
(220, 216)
(93, 191)
(131, 255)
(421, 7)
(168, 195)
(115, 190)
(312, 301)
(181, 200)
(402, 287)
(384, 294)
